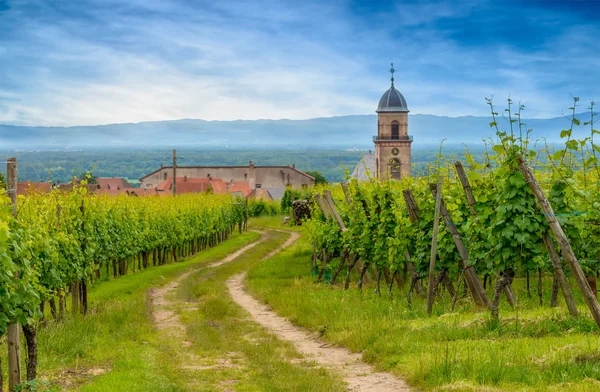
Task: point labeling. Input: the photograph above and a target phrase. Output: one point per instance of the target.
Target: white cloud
(156, 60)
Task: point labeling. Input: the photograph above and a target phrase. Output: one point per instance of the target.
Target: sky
(90, 62)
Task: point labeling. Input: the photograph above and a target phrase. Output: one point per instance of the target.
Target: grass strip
(115, 347)
(533, 348)
(231, 352)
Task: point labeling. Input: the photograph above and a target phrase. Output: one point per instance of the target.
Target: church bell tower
(392, 143)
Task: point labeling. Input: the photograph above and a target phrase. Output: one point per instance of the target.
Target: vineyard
(501, 221)
(56, 245)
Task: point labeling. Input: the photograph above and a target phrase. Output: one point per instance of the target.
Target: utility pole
(14, 342)
(174, 172)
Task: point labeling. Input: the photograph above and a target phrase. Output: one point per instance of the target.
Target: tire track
(361, 377)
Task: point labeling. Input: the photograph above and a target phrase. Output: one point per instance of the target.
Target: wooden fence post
(436, 227)
(563, 242)
(14, 341)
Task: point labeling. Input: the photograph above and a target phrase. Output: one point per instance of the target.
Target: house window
(165, 175)
(395, 169)
(258, 186)
(395, 130)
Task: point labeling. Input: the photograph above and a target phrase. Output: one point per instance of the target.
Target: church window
(395, 169)
(395, 130)
(165, 175)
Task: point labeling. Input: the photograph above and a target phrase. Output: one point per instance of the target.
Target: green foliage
(62, 237)
(505, 233)
(89, 177)
(319, 178)
(291, 195)
(259, 207)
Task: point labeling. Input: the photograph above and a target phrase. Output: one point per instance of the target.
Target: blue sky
(86, 62)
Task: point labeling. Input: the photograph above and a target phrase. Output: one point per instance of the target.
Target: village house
(229, 179)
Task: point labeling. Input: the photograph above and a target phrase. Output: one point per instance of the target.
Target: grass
(533, 348)
(117, 337)
(233, 351)
(116, 347)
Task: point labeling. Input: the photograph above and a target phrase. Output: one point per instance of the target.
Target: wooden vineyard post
(464, 180)
(413, 214)
(563, 242)
(436, 227)
(328, 200)
(14, 341)
(346, 192)
(560, 275)
(321, 204)
(477, 292)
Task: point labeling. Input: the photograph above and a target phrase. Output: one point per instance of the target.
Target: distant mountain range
(332, 132)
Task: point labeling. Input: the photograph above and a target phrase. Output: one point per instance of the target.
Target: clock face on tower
(395, 151)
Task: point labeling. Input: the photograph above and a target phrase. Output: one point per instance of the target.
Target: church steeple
(392, 143)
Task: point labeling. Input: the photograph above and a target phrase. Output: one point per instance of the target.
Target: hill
(330, 132)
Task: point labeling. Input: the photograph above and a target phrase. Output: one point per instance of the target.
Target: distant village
(390, 161)
(261, 182)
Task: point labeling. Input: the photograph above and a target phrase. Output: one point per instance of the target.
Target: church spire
(392, 70)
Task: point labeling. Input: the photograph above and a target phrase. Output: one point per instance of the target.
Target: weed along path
(358, 375)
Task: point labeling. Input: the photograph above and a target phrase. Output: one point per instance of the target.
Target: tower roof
(392, 100)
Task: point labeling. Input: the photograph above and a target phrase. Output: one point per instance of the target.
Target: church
(391, 159)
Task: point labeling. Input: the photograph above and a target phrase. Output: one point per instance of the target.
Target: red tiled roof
(240, 186)
(28, 187)
(112, 183)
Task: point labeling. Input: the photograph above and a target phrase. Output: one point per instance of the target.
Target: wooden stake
(436, 227)
(413, 213)
(464, 180)
(411, 206)
(346, 192)
(560, 275)
(563, 242)
(333, 209)
(477, 292)
(14, 341)
(321, 205)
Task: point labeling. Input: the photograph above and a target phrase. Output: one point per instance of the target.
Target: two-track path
(359, 375)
